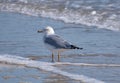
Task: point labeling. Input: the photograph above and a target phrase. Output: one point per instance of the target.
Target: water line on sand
(16, 60)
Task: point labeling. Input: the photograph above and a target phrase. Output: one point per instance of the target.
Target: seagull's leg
(52, 57)
(58, 56)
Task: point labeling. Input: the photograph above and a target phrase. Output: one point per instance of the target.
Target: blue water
(102, 13)
(18, 35)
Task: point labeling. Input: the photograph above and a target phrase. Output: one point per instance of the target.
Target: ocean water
(91, 24)
(102, 13)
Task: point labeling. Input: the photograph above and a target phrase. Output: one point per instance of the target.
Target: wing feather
(57, 42)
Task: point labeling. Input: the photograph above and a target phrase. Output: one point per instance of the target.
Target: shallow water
(18, 36)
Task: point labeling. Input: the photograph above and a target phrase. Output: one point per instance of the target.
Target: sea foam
(46, 66)
(68, 12)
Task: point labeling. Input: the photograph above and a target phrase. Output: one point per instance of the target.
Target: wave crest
(67, 12)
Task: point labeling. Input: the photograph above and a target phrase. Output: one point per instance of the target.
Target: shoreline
(23, 75)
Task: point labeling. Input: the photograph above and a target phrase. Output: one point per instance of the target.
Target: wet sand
(20, 74)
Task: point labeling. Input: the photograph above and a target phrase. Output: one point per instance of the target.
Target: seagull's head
(48, 30)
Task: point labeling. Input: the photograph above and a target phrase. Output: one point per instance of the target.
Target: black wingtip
(75, 47)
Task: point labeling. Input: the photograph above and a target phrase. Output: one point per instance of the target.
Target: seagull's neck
(47, 34)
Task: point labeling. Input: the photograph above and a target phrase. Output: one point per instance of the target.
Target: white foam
(87, 64)
(93, 12)
(24, 1)
(92, 18)
(10, 59)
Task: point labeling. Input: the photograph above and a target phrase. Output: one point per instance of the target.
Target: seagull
(55, 43)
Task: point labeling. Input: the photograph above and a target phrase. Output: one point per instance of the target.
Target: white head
(48, 30)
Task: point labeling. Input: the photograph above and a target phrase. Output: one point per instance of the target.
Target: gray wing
(57, 42)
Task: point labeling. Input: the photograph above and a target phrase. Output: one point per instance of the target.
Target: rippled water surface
(19, 38)
(102, 13)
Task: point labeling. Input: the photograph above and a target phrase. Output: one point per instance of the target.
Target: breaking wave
(46, 66)
(102, 14)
